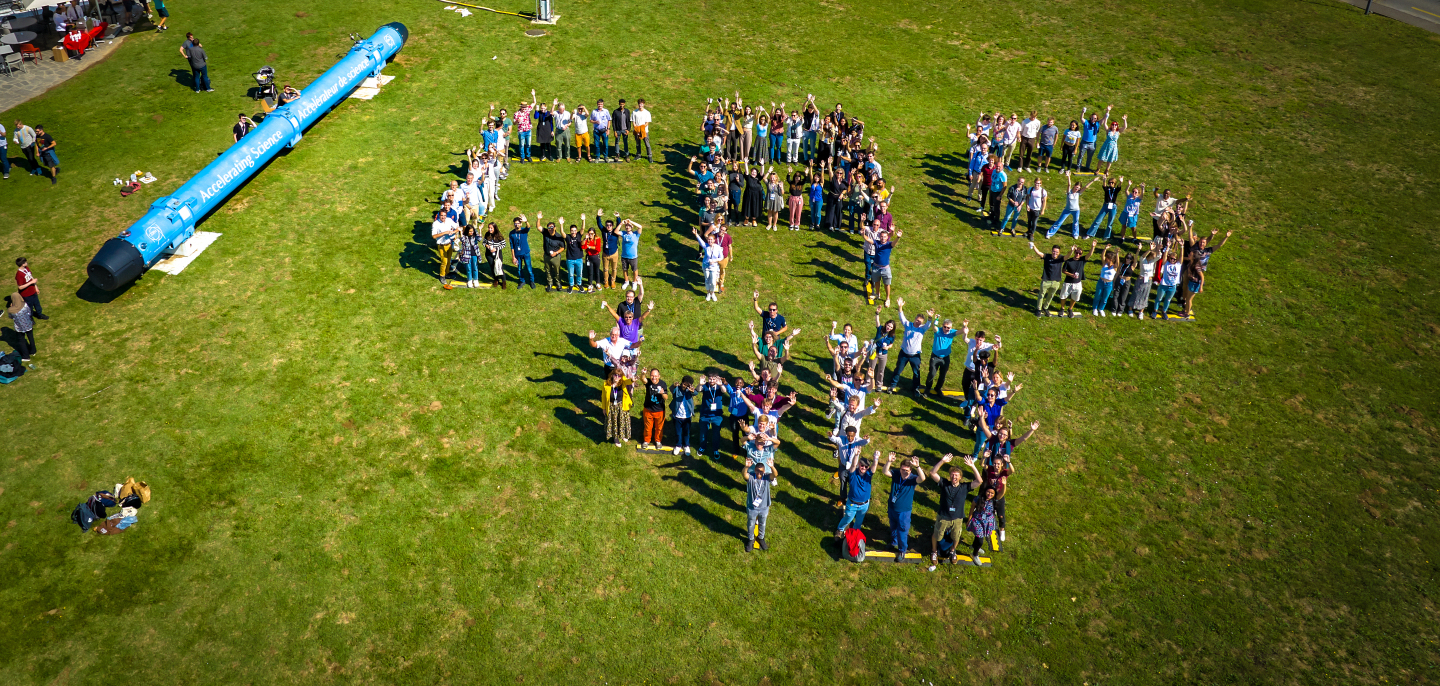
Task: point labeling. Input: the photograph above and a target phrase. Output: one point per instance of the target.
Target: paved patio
(38, 77)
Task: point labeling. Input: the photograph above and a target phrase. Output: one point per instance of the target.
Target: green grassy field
(360, 477)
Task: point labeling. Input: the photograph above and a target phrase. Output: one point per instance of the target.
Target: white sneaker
(1094, 313)
(676, 451)
(617, 444)
(626, 287)
(687, 450)
(887, 303)
(1002, 535)
(1102, 313)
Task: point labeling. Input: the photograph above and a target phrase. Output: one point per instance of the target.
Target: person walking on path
(24, 137)
(199, 64)
(758, 480)
(1051, 274)
(20, 313)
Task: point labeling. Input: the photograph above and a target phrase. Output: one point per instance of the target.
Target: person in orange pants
(656, 395)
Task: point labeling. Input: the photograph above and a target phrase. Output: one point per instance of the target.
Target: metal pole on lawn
(1368, 3)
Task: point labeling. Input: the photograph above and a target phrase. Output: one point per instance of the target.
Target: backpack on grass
(853, 547)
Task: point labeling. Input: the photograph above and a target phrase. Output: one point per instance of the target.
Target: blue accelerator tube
(171, 219)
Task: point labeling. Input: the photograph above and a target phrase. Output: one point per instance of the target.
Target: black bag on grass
(83, 516)
(10, 367)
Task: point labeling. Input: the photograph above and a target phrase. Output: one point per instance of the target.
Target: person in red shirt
(592, 245)
(29, 287)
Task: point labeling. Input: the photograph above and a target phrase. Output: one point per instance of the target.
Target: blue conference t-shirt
(997, 180)
(902, 492)
(630, 241)
(940, 343)
(882, 253)
(860, 486)
(1090, 129)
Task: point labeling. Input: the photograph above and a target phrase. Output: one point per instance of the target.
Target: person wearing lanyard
(847, 454)
(1091, 131)
(682, 411)
(940, 358)
(1131, 216)
(630, 252)
(970, 379)
(910, 345)
(611, 260)
(989, 413)
(759, 478)
(1072, 206)
(879, 350)
(1169, 281)
(714, 395)
(902, 502)
(1074, 271)
(611, 348)
(1111, 189)
(739, 411)
(1036, 200)
(881, 273)
(950, 513)
(653, 412)
(1014, 199)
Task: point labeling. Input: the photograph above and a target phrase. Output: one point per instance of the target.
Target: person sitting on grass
(759, 478)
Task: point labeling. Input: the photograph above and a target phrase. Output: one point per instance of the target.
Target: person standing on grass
(1047, 144)
(600, 118)
(1052, 273)
(1131, 214)
(1036, 200)
(1110, 149)
(524, 125)
(1072, 206)
(199, 65)
(629, 318)
(45, 146)
(997, 191)
(164, 15)
(881, 273)
(902, 502)
(847, 449)
(758, 480)
(682, 412)
(1199, 252)
(581, 124)
(794, 135)
(940, 345)
(520, 250)
(23, 317)
(1169, 281)
(4, 153)
(612, 348)
(630, 252)
(1029, 131)
(1124, 283)
(710, 256)
(617, 407)
(623, 122)
(981, 522)
(640, 121)
(653, 412)
(29, 287)
(910, 346)
(1145, 266)
(714, 395)
(1111, 189)
(770, 318)
(950, 512)
(1015, 198)
(467, 252)
(564, 125)
(25, 137)
(1070, 146)
(1074, 272)
(987, 173)
(1105, 282)
(495, 255)
(739, 412)
(859, 474)
(1089, 133)
(610, 259)
(593, 245)
(574, 257)
(795, 196)
(975, 349)
(445, 231)
(880, 349)
(243, 126)
(553, 242)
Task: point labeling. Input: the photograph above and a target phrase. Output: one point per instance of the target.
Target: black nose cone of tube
(400, 28)
(117, 264)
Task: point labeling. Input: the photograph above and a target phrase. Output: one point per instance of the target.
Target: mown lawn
(360, 477)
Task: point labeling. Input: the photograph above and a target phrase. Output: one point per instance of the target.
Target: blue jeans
(913, 361)
(1162, 299)
(710, 433)
(602, 142)
(575, 267)
(1087, 150)
(807, 144)
(5, 160)
(1103, 289)
(900, 530)
(522, 269)
(777, 145)
(869, 264)
(472, 268)
(200, 78)
(998, 150)
(682, 433)
(817, 213)
(1071, 214)
(853, 513)
(1095, 225)
(1012, 217)
(525, 145)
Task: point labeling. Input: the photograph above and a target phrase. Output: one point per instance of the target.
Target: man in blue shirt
(714, 396)
(600, 117)
(520, 249)
(902, 501)
(739, 411)
(940, 357)
(880, 266)
(630, 252)
(910, 346)
(997, 189)
(1088, 133)
(770, 318)
(978, 155)
(858, 474)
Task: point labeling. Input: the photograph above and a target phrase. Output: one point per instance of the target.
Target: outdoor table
(18, 38)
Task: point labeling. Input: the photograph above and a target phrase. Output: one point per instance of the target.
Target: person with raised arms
(630, 252)
(910, 346)
(901, 502)
(950, 512)
(940, 345)
(759, 477)
(520, 249)
(611, 348)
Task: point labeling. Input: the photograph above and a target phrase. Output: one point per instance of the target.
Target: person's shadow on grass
(419, 253)
(1003, 295)
(183, 77)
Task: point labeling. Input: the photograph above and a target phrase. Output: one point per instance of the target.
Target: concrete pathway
(1422, 13)
(37, 77)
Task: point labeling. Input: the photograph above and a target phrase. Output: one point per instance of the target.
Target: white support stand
(186, 253)
(545, 13)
